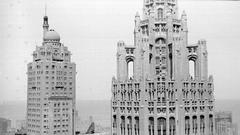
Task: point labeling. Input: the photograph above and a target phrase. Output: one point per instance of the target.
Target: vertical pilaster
(198, 125)
(155, 124)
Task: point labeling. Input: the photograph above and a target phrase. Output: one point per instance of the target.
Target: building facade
(169, 91)
(51, 87)
(224, 124)
(5, 126)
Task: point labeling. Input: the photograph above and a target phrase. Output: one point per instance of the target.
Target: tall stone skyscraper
(51, 87)
(169, 92)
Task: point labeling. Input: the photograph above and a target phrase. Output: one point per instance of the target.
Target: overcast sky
(91, 29)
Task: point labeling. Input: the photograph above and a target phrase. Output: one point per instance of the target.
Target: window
(157, 60)
(157, 71)
(130, 69)
(192, 69)
(160, 13)
(150, 58)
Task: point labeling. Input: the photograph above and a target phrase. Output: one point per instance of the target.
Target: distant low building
(89, 127)
(5, 125)
(235, 129)
(20, 124)
(224, 124)
(21, 132)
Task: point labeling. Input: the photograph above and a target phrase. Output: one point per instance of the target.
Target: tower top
(45, 22)
(51, 35)
(160, 6)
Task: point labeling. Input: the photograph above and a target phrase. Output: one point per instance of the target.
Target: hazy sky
(91, 29)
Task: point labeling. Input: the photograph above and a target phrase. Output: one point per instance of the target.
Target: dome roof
(51, 35)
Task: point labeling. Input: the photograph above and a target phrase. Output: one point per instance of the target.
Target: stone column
(155, 124)
(125, 128)
(190, 123)
(167, 111)
(198, 125)
(132, 124)
(118, 122)
(167, 125)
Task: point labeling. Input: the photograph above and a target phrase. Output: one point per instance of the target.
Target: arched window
(114, 121)
(130, 69)
(172, 126)
(122, 125)
(160, 41)
(211, 124)
(187, 125)
(194, 127)
(202, 125)
(129, 125)
(160, 13)
(192, 69)
(136, 126)
(161, 125)
(151, 126)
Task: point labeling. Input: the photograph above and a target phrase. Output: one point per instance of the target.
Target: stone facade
(162, 97)
(51, 87)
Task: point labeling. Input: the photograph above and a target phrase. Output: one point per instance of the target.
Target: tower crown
(160, 8)
(51, 35)
(45, 25)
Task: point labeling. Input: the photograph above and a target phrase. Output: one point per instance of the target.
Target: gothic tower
(169, 91)
(51, 87)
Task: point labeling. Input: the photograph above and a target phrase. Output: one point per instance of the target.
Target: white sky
(91, 29)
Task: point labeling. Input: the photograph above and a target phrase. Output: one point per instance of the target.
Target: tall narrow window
(192, 69)
(114, 121)
(129, 125)
(170, 61)
(161, 126)
(136, 126)
(130, 69)
(172, 126)
(150, 58)
(195, 125)
(122, 125)
(187, 125)
(202, 125)
(160, 13)
(211, 124)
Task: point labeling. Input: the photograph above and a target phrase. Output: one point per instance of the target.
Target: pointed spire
(45, 9)
(45, 22)
(184, 21)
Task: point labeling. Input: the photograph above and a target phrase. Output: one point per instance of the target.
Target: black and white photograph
(119, 67)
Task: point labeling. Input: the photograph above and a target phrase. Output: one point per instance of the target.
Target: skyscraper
(162, 85)
(51, 87)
